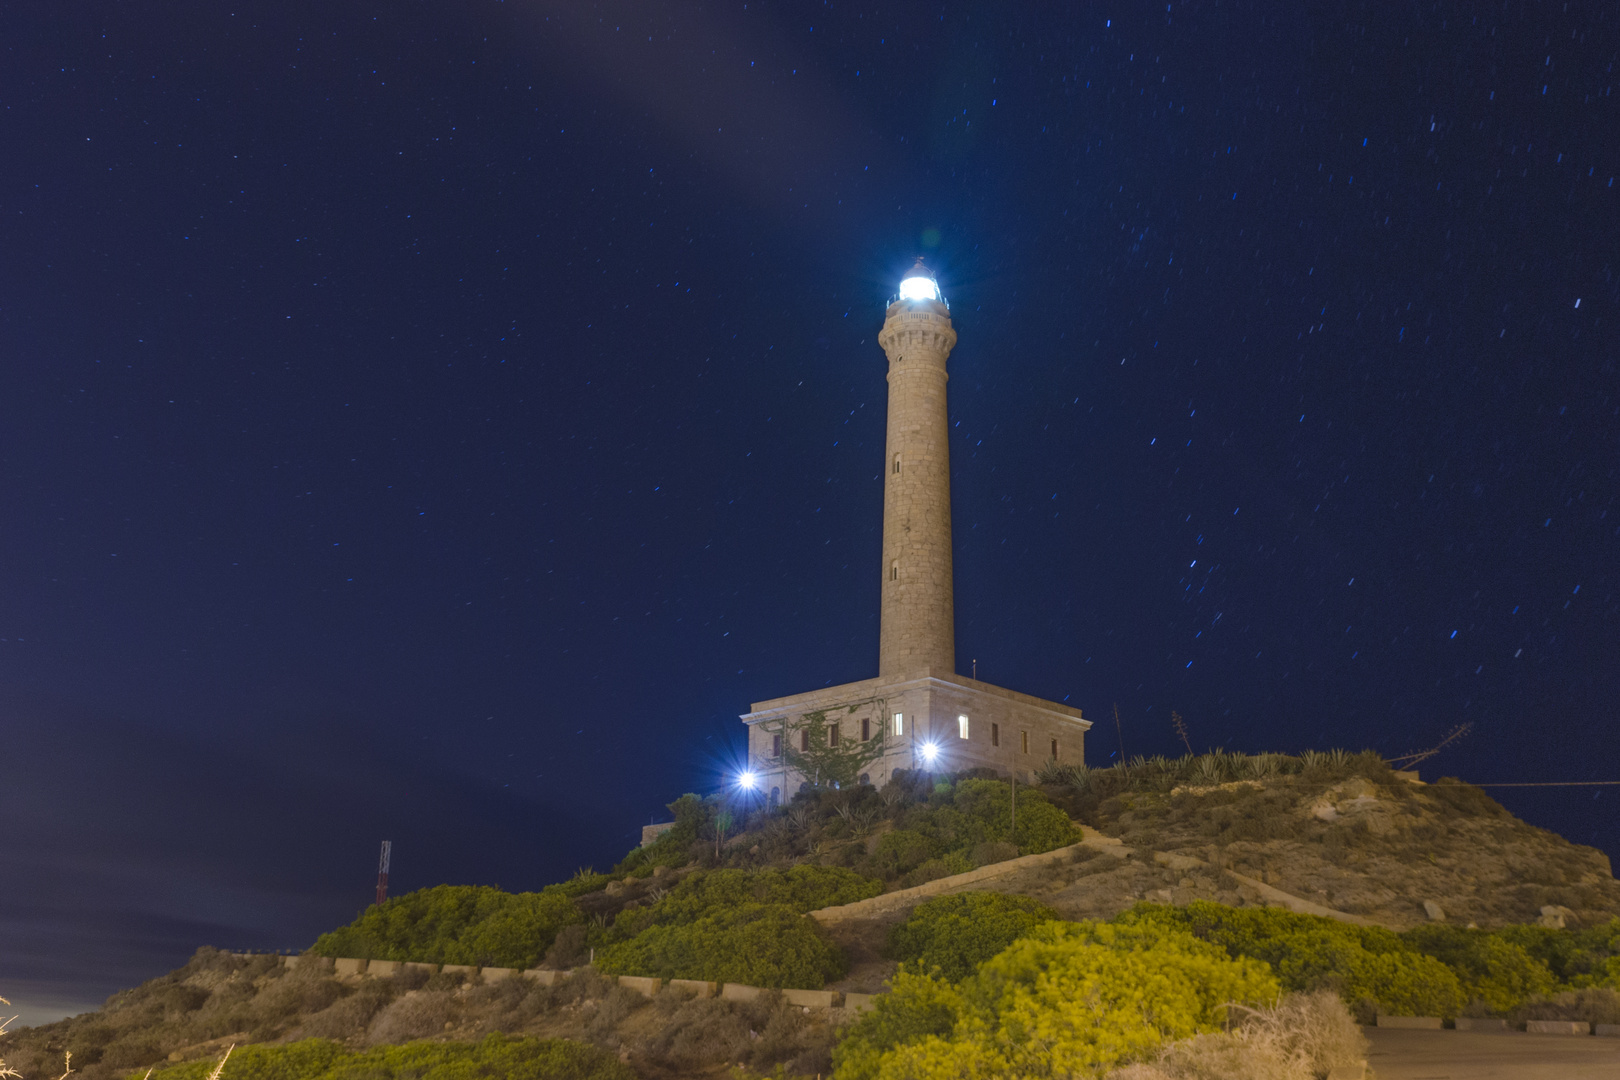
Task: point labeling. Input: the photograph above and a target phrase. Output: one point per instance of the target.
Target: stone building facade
(926, 715)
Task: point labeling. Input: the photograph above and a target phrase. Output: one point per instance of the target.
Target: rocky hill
(1330, 834)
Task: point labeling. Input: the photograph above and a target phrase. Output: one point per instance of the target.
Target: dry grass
(1299, 1038)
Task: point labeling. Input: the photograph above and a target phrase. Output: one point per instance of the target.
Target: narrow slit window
(804, 740)
(1025, 736)
(995, 734)
(897, 464)
(866, 729)
(1054, 749)
(894, 570)
(776, 746)
(832, 735)
(899, 723)
(961, 727)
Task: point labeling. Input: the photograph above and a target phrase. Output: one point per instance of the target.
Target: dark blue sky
(439, 421)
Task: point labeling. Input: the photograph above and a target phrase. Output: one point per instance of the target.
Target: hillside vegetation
(1520, 924)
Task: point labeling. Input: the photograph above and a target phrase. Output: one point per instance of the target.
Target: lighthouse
(921, 713)
(916, 625)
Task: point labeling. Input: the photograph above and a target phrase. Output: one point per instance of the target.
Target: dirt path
(1478, 1055)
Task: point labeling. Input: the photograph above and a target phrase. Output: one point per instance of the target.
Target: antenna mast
(382, 870)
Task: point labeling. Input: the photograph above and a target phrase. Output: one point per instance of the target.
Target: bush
(456, 924)
(1069, 999)
(1308, 953)
(705, 894)
(1595, 1005)
(1589, 957)
(1492, 970)
(953, 935)
(1302, 1037)
(758, 944)
(496, 1057)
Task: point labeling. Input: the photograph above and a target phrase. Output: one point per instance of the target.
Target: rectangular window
(832, 735)
(1054, 749)
(804, 740)
(776, 746)
(899, 723)
(995, 734)
(866, 729)
(961, 727)
(1025, 738)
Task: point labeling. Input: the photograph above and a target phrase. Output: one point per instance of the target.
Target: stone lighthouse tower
(918, 713)
(917, 620)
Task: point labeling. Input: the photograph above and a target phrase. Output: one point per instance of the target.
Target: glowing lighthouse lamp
(919, 284)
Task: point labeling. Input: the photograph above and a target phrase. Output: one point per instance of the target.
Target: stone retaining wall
(353, 967)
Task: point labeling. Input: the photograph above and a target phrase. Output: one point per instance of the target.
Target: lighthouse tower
(923, 714)
(916, 624)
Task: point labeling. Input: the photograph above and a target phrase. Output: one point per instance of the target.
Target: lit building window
(899, 723)
(961, 727)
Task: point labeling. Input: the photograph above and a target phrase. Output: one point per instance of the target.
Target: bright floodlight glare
(919, 288)
(929, 752)
(747, 781)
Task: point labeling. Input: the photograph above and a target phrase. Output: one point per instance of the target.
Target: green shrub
(987, 806)
(1308, 952)
(673, 847)
(1492, 969)
(955, 934)
(1576, 957)
(758, 944)
(707, 893)
(456, 924)
(496, 1057)
(901, 851)
(1070, 999)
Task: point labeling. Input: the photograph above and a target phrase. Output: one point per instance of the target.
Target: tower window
(894, 570)
(866, 728)
(961, 727)
(1025, 740)
(832, 735)
(995, 734)
(897, 464)
(804, 740)
(899, 723)
(776, 746)
(1054, 749)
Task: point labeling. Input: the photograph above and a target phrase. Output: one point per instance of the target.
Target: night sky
(439, 421)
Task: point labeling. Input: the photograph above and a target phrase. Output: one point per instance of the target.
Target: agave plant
(1313, 761)
(1209, 769)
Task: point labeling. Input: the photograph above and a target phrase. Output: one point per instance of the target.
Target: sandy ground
(1478, 1055)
